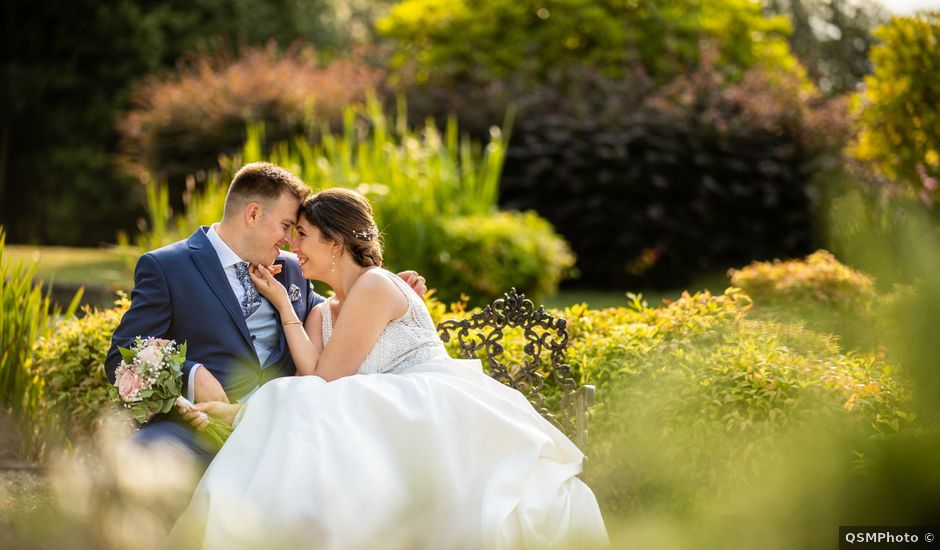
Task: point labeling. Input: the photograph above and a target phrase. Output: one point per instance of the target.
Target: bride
(417, 450)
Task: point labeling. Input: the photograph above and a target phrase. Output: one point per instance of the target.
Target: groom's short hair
(262, 181)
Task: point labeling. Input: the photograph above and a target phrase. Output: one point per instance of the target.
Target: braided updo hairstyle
(345, 216)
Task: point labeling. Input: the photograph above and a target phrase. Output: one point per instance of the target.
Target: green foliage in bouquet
(70, 376)
(898, 112)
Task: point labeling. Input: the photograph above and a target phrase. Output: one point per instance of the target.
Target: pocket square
(293, 293)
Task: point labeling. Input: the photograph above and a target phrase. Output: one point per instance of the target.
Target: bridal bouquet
(149, 380)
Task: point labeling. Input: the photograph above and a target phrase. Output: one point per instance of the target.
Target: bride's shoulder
(375, 280)
(377, 286)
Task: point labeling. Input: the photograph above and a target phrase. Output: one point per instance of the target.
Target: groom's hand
(415, 281)
(207, 388)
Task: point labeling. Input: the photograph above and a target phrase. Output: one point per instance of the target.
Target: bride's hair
(345, 216)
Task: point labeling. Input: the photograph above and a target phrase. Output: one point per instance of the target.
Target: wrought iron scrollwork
(481, 336)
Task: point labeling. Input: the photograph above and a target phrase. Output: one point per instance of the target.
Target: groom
(198, 291)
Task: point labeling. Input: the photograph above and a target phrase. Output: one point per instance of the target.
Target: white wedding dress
(417, 450)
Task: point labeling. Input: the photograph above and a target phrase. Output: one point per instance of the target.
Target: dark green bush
(484, 256)
(69, 376)
(653, 185)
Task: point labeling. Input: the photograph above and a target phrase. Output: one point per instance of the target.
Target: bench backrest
(481, 336)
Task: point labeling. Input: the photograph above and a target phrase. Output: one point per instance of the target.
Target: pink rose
(128, 382)
(152, 354)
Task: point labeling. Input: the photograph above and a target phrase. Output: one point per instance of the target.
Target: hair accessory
(365, 235)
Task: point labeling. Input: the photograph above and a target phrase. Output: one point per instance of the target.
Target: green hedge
(653, 185)
(693, 396)
(69, 375)
(825, 295)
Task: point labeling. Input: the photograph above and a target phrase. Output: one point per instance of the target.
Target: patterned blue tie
(252, 301)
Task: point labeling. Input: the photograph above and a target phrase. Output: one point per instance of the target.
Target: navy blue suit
(181, 293)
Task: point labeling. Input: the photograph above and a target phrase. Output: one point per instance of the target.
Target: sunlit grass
(75, 266)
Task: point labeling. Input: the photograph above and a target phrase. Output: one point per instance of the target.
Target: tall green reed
(26, 314)
(414, 178)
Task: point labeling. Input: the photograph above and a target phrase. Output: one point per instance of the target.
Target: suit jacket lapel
(207, 261)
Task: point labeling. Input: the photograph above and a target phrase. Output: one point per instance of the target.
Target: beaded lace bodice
(407, 341)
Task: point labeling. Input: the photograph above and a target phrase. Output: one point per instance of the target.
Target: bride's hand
(224, 412)
(268, 286)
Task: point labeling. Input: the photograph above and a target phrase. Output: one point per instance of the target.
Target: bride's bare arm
(305, 342)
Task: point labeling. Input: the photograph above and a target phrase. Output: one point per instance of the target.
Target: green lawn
(715, 282)
(107, 270)
(100, 267)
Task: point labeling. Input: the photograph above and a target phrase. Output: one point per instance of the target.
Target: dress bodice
(409, 340)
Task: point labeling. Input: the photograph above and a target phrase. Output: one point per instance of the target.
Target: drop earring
(333, 268)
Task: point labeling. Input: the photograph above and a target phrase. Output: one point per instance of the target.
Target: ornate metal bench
(480, 336)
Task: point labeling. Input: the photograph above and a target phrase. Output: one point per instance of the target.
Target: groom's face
(273, 229)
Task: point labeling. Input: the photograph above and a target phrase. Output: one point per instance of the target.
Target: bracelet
(291, 323)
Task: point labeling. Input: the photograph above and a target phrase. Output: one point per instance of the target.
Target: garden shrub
(181, 123)
(820, 277)
(824, 295)
(656, 184)
(897, 110)
(692, 396)
(70, 376)
(484, 256)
